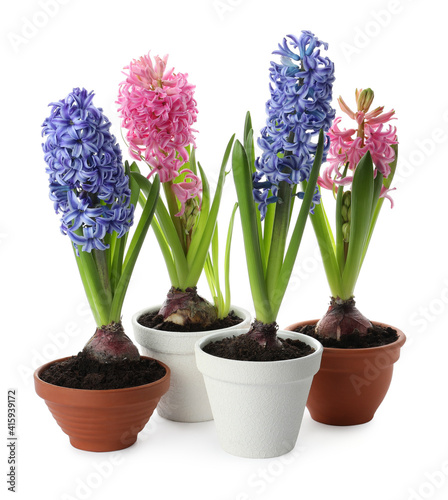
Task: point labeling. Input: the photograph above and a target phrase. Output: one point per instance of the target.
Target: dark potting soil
(82, 372)
(376, 337)
(155, 320)
(243, 348)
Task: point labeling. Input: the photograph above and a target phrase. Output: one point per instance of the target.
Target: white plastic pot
(186, 399)
(258, 405)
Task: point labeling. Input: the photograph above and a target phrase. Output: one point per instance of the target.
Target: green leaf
(226, 310)
(173, 208)
(327, 247)
(268, 225)
(386, 183)
(117, 261)
(118, 245)
(247, 128)
(100, 258)
(296, 237)
(134, 167)
(87, 288)
(166, 252)
(279, 235)
(192, 164)
(361, 215)
(199, 228)
(249, 148)
(135, 190)
(215, 257)
(242, 175)
(110, 255)
(196, 260)
(393, 167)
(98, 299)
(168, 229)
(377, 185)
(293, 200)
(210, 275)
(134, 250)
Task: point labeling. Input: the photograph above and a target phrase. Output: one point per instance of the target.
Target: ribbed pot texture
(351, 383)
(97, 420)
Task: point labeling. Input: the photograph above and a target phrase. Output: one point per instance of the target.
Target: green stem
(110, 259)
(117, 261)
(201, 222)
(170, 232)
(103, 272)
(174, 209)
(100, 301)
(267, 232)
(278, 237)
(89, 292)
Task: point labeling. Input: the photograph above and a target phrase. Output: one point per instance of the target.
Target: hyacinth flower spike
(362, 163)
(158, 111)
(96, 196)
(294, 144)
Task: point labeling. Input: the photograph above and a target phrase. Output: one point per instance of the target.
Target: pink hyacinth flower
(157, 109)
(190, 187)
(384, 194)
(372, 133)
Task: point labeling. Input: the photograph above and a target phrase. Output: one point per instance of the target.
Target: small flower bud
(190, 214)
(346, 231)
(344, 213)
(364, 100)
(347, 198)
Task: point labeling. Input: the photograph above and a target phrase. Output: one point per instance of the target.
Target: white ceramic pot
(258, 405)
(186, 399)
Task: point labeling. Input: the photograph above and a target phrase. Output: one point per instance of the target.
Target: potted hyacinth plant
(258, 380)
(105, 395)
(158, 111)
(362, 162)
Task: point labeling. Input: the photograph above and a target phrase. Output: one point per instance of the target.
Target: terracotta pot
(187, 400)
(97, 420)
(258, 405)
(351, 383)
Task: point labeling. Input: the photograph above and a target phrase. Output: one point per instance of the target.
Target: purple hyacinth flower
(88, 184)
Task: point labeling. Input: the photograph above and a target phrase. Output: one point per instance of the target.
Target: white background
(396, 47)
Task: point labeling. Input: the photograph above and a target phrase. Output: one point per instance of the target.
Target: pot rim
(123, 390)
(318, 348)
(398, 343)
(247, 315)
(259, 373)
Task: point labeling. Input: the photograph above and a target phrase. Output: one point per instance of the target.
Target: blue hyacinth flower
(299, 107)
